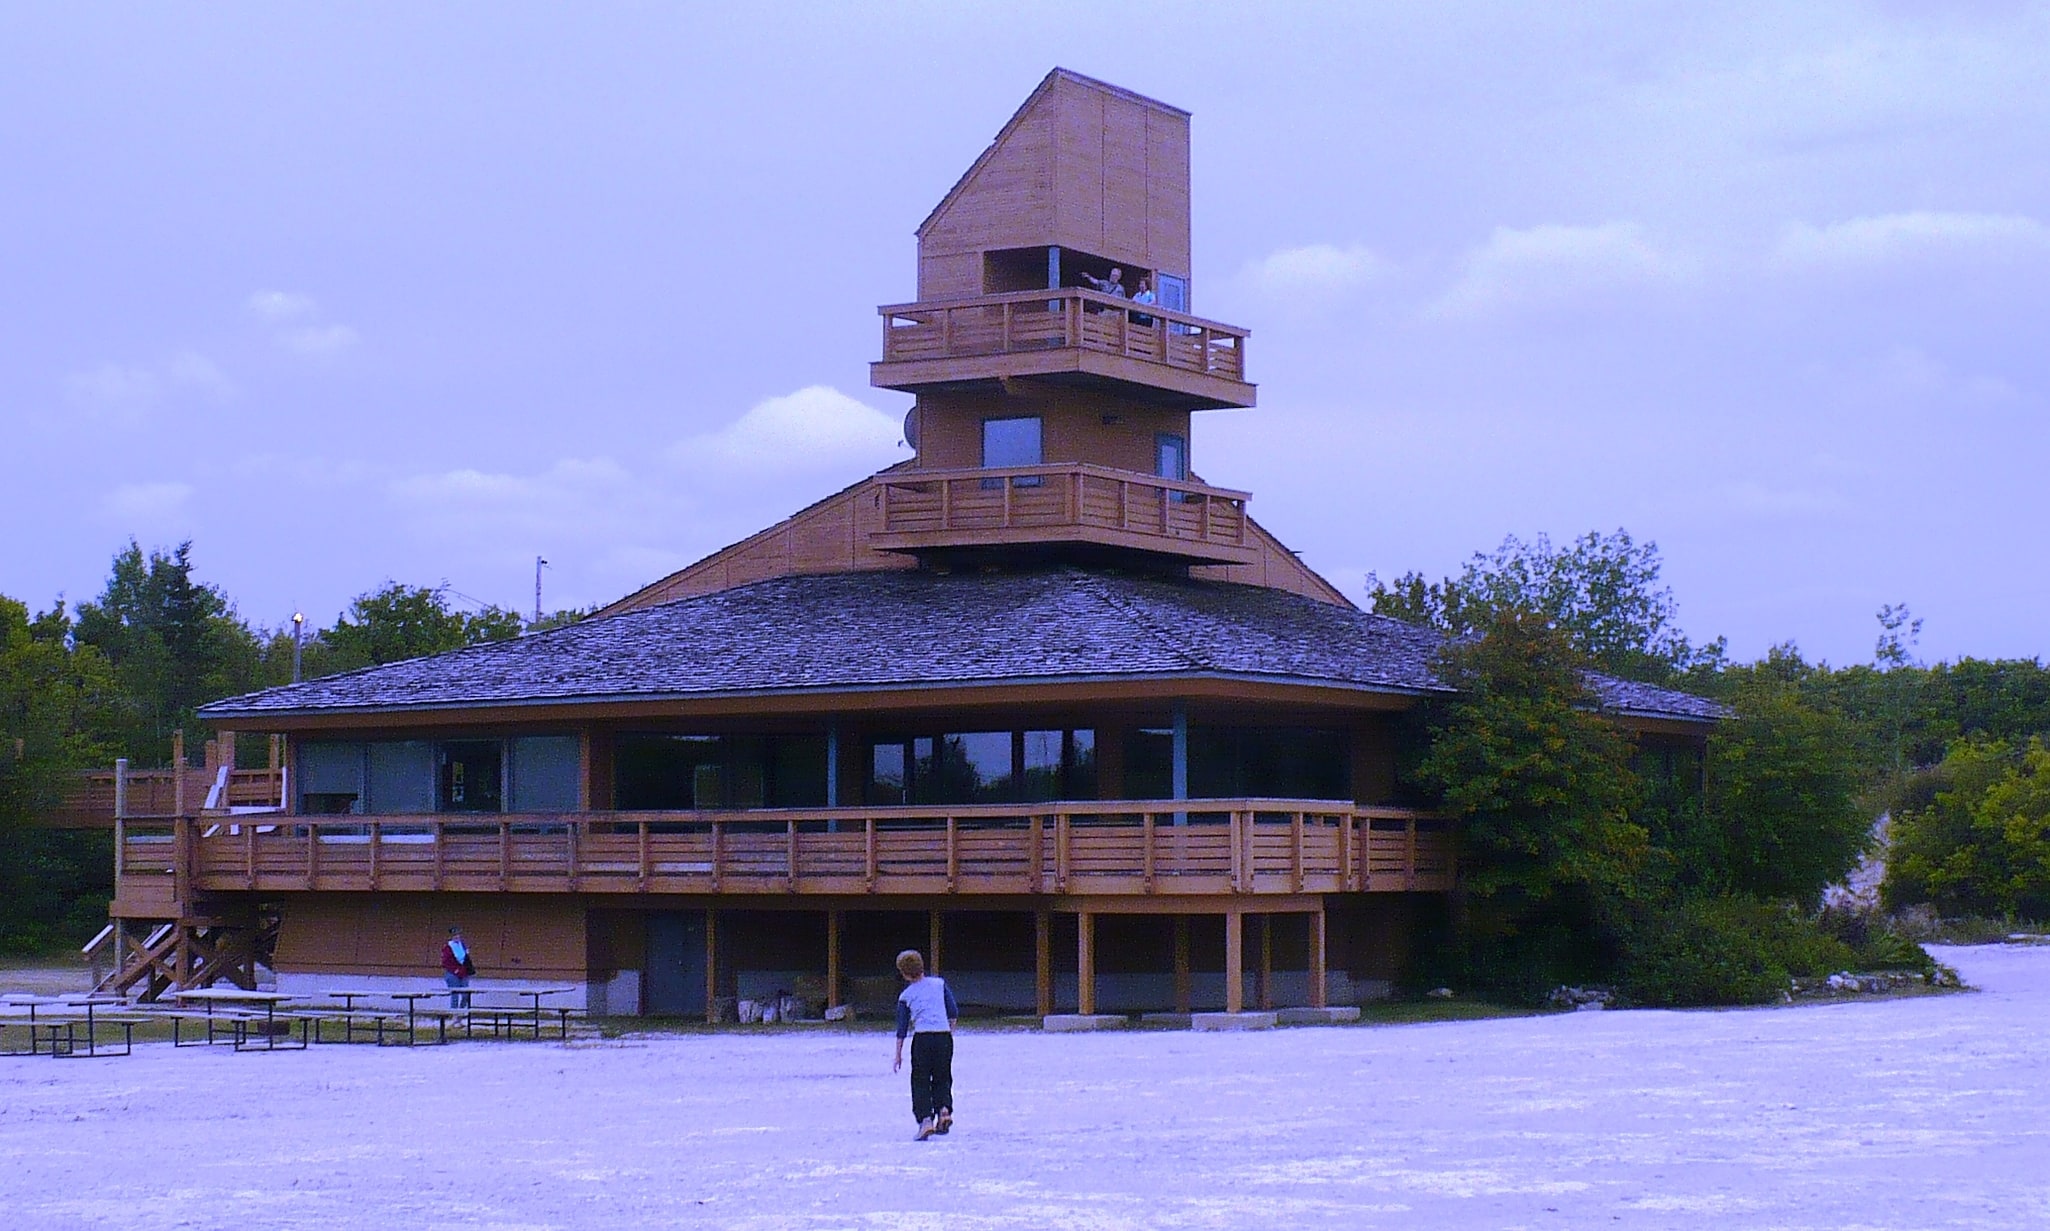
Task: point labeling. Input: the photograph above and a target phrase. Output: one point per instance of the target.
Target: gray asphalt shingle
(890, 629)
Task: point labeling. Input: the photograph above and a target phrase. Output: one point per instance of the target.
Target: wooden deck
(91, 800)
(1069, 503)
(1115, 849)
(1064, 332)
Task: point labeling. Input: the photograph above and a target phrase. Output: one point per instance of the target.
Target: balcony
(1068, 336)
(1085, 848)
(923, 510)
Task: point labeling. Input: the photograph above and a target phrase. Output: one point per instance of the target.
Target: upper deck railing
(1024, 323)
(1218, 846)
(1067, 502)
(95, 797)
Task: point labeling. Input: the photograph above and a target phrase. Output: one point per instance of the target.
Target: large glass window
(330, 777)
(546, 773)
(681, 772)
(1010, 442)
(401, 777)
(982, 767)
(1149, 763)
(472, 776)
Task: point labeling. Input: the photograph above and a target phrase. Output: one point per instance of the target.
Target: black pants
(932, 1073)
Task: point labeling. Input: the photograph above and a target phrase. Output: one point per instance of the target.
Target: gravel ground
(1919, 1112)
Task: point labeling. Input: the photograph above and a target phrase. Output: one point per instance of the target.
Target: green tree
(1972, 836)
(400, 622)
(1603, 591)
(59, 711)
(174, 642)
(1540, 787)
(1782, 805)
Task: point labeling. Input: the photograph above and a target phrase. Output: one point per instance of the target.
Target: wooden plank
(1234, 962)
(1085, 963)
(1042, 948)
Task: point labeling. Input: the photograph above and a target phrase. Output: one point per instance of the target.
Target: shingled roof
(893, 630)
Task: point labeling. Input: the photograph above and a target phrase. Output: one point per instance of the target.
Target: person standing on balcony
(1143, 295)
(1113, 285)
(926, 1011)
(457, 969)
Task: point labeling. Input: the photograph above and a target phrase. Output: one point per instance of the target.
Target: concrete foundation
(1072, 1023)
(1175, 1021)
(1232, 1021)
(1333, 1016)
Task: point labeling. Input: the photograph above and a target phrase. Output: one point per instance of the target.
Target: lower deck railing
(1239, 846)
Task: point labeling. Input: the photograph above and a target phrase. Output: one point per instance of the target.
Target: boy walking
(926, 1011)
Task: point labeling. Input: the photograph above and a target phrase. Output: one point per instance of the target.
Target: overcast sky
(349, 293)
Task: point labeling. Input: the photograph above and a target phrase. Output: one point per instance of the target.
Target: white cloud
(293, 320)
(278, 307)
(817, 428)
(318, 341)
(1314, 270)
(1552, 262)
(191, 370)
(146, 505)
(125, 392)
(111, 387)
(1887, 238)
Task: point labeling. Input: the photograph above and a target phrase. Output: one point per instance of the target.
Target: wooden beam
(1264, 985)
(1317, 959)
(1234, 962)
(932, 945)
(1183, 994)
(833, 959)
(711, 967)
(1085, 963)
(1042, 948)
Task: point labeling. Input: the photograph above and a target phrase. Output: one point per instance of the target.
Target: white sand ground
(1930, 1112)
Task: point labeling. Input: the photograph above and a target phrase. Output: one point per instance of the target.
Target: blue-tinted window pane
(546, 773)
(401, 777)
(1010, 442)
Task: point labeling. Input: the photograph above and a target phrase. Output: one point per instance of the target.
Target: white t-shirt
(930, 1005)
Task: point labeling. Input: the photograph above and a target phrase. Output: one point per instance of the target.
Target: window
(546, 773)
(471, 776)
(401, 778)
(1010, 442)
(330, 778)
(991, 767)
(1170, 456)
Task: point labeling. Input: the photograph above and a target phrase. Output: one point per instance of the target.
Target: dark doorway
(676, 965)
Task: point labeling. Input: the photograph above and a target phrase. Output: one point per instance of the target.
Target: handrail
(1082, 293)
(1128, 847)
(912, 478)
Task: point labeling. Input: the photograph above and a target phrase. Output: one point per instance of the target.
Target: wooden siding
(1167, 356)
(1074, 426)
(1116, 848)
(926, 509)
(401, 935)
(1083, 165)
(1275, 567)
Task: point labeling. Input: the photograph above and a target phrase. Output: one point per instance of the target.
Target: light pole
(298, 644)
(539, 564)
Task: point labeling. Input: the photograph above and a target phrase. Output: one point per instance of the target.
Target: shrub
(1723, 950)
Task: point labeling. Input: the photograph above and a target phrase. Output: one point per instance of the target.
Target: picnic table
(510, 1019)
(380, 1020)
(250, 1001)
(413, 1000)
(62, 1034)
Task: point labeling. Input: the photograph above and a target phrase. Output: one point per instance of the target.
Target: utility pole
(298, 644)
(539, 564)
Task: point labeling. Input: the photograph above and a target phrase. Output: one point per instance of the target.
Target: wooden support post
(711, 967)
(932, 943)
(833, 959)
(1042, 949)
(1085, 963)
(1234, 962)
(1317, 958)
(178, 771)
(1264, 985)
(1183, 995)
